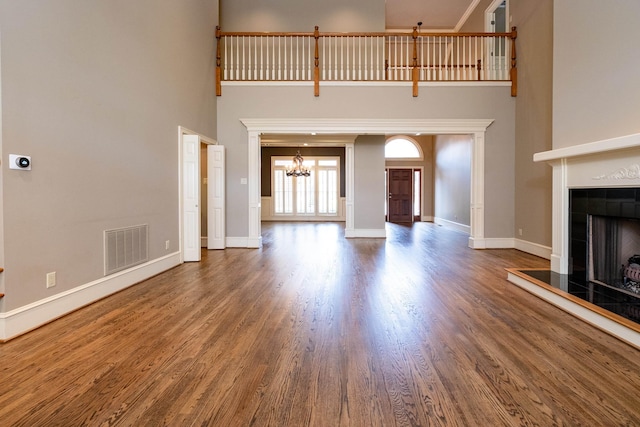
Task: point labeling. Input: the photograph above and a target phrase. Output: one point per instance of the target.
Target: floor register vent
(125, 247)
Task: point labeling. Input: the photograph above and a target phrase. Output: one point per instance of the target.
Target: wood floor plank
(317, 330)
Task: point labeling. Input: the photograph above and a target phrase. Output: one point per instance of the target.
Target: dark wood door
(400, 197)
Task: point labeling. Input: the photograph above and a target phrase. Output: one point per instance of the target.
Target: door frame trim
(475, 127)
(209, 141)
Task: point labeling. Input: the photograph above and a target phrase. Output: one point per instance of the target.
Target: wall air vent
(125, 247)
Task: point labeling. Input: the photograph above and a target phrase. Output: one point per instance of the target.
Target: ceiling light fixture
(297, 167)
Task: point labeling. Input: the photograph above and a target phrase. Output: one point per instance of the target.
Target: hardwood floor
(318, 330)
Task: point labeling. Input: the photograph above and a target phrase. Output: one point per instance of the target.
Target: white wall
(452, 180)
(95, 91)
(596, 94)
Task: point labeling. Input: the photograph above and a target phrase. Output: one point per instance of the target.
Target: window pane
(288, 194)
(316, 194)
(402, 149)
(282, 162)
(416, 192)
(322, 192)
(278, 188)
(310, 193)
(328, 162)
(332, 192)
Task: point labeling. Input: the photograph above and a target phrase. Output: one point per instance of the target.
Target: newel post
(514, 69)
(316, 65)
(218, 63)
(414, 71)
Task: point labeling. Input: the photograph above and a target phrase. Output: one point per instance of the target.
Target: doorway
(255, 127)
(497, 21)
(191, 197)
(403, 195)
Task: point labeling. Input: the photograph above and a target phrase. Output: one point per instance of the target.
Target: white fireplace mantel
(591, 148)
(608, 163)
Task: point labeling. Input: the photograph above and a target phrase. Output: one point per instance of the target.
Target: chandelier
(297, 168)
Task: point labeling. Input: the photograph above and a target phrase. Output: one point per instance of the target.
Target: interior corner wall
(369, 182)
(452, 178)
(94, 92)
(303, 15)
(533, 181)
(596, 94)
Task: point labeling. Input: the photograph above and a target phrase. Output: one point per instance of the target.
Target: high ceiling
(434, 14)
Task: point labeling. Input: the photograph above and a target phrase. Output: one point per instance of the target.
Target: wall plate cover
(13, 162)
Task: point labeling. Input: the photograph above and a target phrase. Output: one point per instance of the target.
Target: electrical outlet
(520, 231)
(51, 279)
(166, 245)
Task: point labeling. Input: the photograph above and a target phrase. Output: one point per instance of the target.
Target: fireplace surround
(592, 180)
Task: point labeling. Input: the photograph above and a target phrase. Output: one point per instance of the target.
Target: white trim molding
(476, 127)
(452, 225)
(375, 233)
(533, 248)
(26, 318)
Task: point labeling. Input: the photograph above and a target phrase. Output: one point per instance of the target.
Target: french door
(311, 197)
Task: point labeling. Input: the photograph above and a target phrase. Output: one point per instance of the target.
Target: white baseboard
(237, 242)
(427, 219)
(31, 316)
(499, 243)
(491, 243)
(377, 233)
(533, 248)
(243, 242)
(614, 328)
(452, 225)
(204, 242)
(511, 243)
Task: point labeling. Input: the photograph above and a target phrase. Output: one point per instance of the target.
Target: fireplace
(595, 223)
(604, 248)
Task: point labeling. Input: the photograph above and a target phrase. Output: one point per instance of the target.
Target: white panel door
(191, 197)
(216, 198)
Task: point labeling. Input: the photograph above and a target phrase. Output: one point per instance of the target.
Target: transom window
(402, 147)
(315, 195)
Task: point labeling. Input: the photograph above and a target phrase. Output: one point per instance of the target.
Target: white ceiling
(441, 15)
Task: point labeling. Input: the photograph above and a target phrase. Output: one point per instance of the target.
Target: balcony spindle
(514, 70)
(316, 64)
(218, 64)
(414, 71)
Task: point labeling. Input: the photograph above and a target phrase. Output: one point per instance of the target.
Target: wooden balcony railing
(415, 57)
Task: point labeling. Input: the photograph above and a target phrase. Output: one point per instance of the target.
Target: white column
(476, 239)
(255, 234)
(560, 218)
(349, 189)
